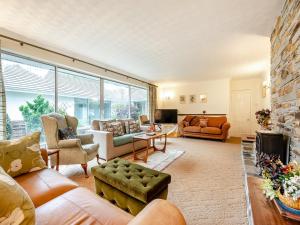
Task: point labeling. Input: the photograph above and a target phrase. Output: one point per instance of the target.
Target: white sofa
(110, 146)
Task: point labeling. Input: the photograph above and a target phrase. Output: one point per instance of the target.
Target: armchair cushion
(22, 155)
(70, 143)
(16, 206)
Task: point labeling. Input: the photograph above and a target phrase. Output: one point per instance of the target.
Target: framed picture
(203, 98)
(182, 99)
(192, 99)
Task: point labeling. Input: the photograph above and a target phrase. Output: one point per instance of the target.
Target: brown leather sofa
(58, 200)
(217, 127)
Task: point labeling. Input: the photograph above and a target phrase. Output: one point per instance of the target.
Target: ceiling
(158, 40)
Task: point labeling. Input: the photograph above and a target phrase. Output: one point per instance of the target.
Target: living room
(150, 112)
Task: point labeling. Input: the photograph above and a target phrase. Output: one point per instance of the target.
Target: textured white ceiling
(160, 40)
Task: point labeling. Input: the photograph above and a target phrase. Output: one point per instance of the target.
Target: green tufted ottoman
(129, 186)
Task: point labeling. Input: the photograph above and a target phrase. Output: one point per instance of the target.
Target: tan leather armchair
(72, 151)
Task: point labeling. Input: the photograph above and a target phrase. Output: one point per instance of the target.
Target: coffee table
(148, 139)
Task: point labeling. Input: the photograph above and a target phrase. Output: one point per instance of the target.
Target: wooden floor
(264, 211)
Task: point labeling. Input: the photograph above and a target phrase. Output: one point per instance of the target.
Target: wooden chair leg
(98, 159)
(84, 167)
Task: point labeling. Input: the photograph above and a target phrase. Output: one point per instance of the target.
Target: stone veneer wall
(285, 74)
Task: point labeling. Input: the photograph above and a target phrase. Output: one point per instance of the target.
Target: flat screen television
(165, 116)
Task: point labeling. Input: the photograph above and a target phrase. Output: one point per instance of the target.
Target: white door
(240, 112)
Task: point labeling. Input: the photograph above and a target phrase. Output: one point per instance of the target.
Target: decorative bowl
(289, 202)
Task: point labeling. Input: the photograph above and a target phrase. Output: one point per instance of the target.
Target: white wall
(217, 91)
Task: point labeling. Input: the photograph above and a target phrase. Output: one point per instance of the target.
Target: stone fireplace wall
(285, 74)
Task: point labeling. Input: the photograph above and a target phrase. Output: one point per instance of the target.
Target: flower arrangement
(281, 181)
(263, 117)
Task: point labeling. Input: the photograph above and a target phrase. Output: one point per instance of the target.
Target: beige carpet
(207, 181)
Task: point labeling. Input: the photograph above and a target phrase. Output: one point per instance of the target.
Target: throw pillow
(22, 155)
(125, 125)
(134, 127)
(66, 133)
(117, 129)
(195, 121)
(16, 206)
(186, 123)
(189, 118)
(203, 122)
(105, 124)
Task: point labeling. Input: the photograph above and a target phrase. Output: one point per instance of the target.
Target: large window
(116, 100)
(30, 88)
(139, 102)
(78, 95)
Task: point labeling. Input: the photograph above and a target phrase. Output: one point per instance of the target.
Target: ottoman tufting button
(144, 184)
(103, 166)
(141, 176)
(115, 166)
(128, 177)
(114, 171)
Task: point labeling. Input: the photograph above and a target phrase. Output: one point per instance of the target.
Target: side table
(52, 152)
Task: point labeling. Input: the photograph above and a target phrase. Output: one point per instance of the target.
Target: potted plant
(281, 182)
(263, 118)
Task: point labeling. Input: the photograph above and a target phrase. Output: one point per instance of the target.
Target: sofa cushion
(135, 180)
(193, 129)
(80, 206)
(44, 185)
(21, 155)
(217, 121)
(124, 139)
(16, 206)
(211, 130)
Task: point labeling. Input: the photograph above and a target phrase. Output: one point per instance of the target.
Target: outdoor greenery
(32, 112)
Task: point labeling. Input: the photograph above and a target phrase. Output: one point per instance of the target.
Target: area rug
(159, 160)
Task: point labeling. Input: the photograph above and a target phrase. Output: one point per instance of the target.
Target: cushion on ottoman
(136, 181)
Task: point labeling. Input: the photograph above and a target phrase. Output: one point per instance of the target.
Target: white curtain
(2, 103)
